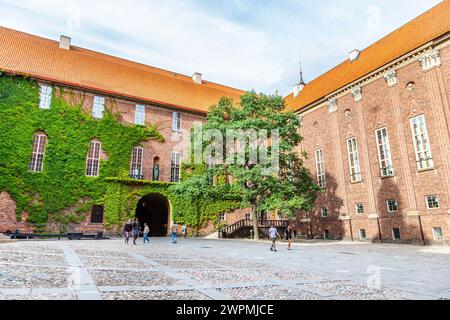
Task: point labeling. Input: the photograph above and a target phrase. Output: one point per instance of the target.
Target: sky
(247, 44)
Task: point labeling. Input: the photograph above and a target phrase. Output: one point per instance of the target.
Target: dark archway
(153, 209)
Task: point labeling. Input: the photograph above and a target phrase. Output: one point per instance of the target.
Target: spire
(301, 82)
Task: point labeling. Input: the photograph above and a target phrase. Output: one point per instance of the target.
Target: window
(45, 96)
(222, 216)
(362, 234)
(396, 234)
(139, 115)
(137, 156)
(326, 235)
(384, 153)
(93, 159)
(99, 107)
(97, 214)
(176, 122)
(175, 167)
(355, 170)
(421, 143)
(248, 217)
(320, 166)
(432, 202)
(360, 208)
(37, 158)
(324, 212)
(392, 206)
(438, 234)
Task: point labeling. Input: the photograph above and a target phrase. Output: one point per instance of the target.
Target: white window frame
(98, 107)
(137, 160)
(322, 212)
(428, 204)
(356, 208)
(435, 235)
(393, 234)
(384, 153)
(38, 154)
(224, 216)
(389, 208)
(361, 236)
(353, 160)
(175, 166)
(422, 147)
(93, 160)
(176, 121)
(139, 115)
(320, 168)
(45, 96)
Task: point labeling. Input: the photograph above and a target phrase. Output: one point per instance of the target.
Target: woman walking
(289, 236)
(127, 231)
(146, 232)
(136, 230)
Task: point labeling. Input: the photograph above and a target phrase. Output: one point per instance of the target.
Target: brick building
(376, 129)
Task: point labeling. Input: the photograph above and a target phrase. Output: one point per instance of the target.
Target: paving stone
(155, 295)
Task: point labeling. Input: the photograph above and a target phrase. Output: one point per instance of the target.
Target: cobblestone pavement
(221, 269)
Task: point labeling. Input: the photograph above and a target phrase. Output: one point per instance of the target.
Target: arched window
(37, 158)
(93, 159)
(137, 156)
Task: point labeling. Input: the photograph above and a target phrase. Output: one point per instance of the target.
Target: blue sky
(248, 44)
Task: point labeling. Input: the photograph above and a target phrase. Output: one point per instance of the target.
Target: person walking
(146, 232)
(127, 231)
(273, 233)
(174, 232)
(136, 230)
(184, 230)
(289, 235)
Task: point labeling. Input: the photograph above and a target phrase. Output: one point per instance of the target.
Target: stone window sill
(425, 170)
(388, 177)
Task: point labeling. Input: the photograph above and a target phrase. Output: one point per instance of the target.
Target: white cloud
(246, 44)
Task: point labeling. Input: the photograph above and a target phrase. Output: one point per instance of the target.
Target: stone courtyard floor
(221, 269)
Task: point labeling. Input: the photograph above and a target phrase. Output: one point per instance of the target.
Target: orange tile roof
(37, 57)
(425, 28)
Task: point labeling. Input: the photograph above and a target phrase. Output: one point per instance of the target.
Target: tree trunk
(255, 222)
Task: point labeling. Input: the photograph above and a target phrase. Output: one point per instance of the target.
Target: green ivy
(47, 195)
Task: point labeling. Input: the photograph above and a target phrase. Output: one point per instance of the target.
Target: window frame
(139, 115)
(437, 201)
(424, 143)
(96, 215)
(91, 166)
(175, 167)
(389, 208)
(322, 210)
(176, 121)
(399, 233)
(354, 161)
(98, 107)
(224, 214)
(384, 148)
(36, 164)
(360, 234)
(320, 169)
(434, 234)
(137, 152)
(357, 208)
(45, 96)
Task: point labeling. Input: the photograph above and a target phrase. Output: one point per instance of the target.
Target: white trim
(33, 166)
(422, 164)
(360, 234)
(98, 107)
(179, 121)
(388, 208)
(434, 233)
(320, 169)
(139, 152)
(45, 96)
(437, 200)
(363, 207)
(96, 144)
(139, 115)
(353, 157)
(393, 234)
(175, 161)
(385, 145)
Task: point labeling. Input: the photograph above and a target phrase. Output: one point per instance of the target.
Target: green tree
(284, 185)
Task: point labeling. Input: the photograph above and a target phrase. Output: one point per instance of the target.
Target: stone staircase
(244, 228)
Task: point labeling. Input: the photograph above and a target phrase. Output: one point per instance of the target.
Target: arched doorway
(153, 209)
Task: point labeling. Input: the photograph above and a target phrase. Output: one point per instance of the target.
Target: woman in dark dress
(127, 231)
(289, 236)
(136, 230)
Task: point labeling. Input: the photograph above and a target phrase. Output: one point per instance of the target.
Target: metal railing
(225, 232)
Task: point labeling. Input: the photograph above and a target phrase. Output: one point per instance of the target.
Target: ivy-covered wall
(62, 193)
(46, 195)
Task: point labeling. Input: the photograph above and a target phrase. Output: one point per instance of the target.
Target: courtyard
(197, 269)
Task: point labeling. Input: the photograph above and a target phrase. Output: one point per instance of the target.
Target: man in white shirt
(273, 233)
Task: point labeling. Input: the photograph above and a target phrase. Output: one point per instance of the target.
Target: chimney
(354, 54)
(197, 77)
(64, 42)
